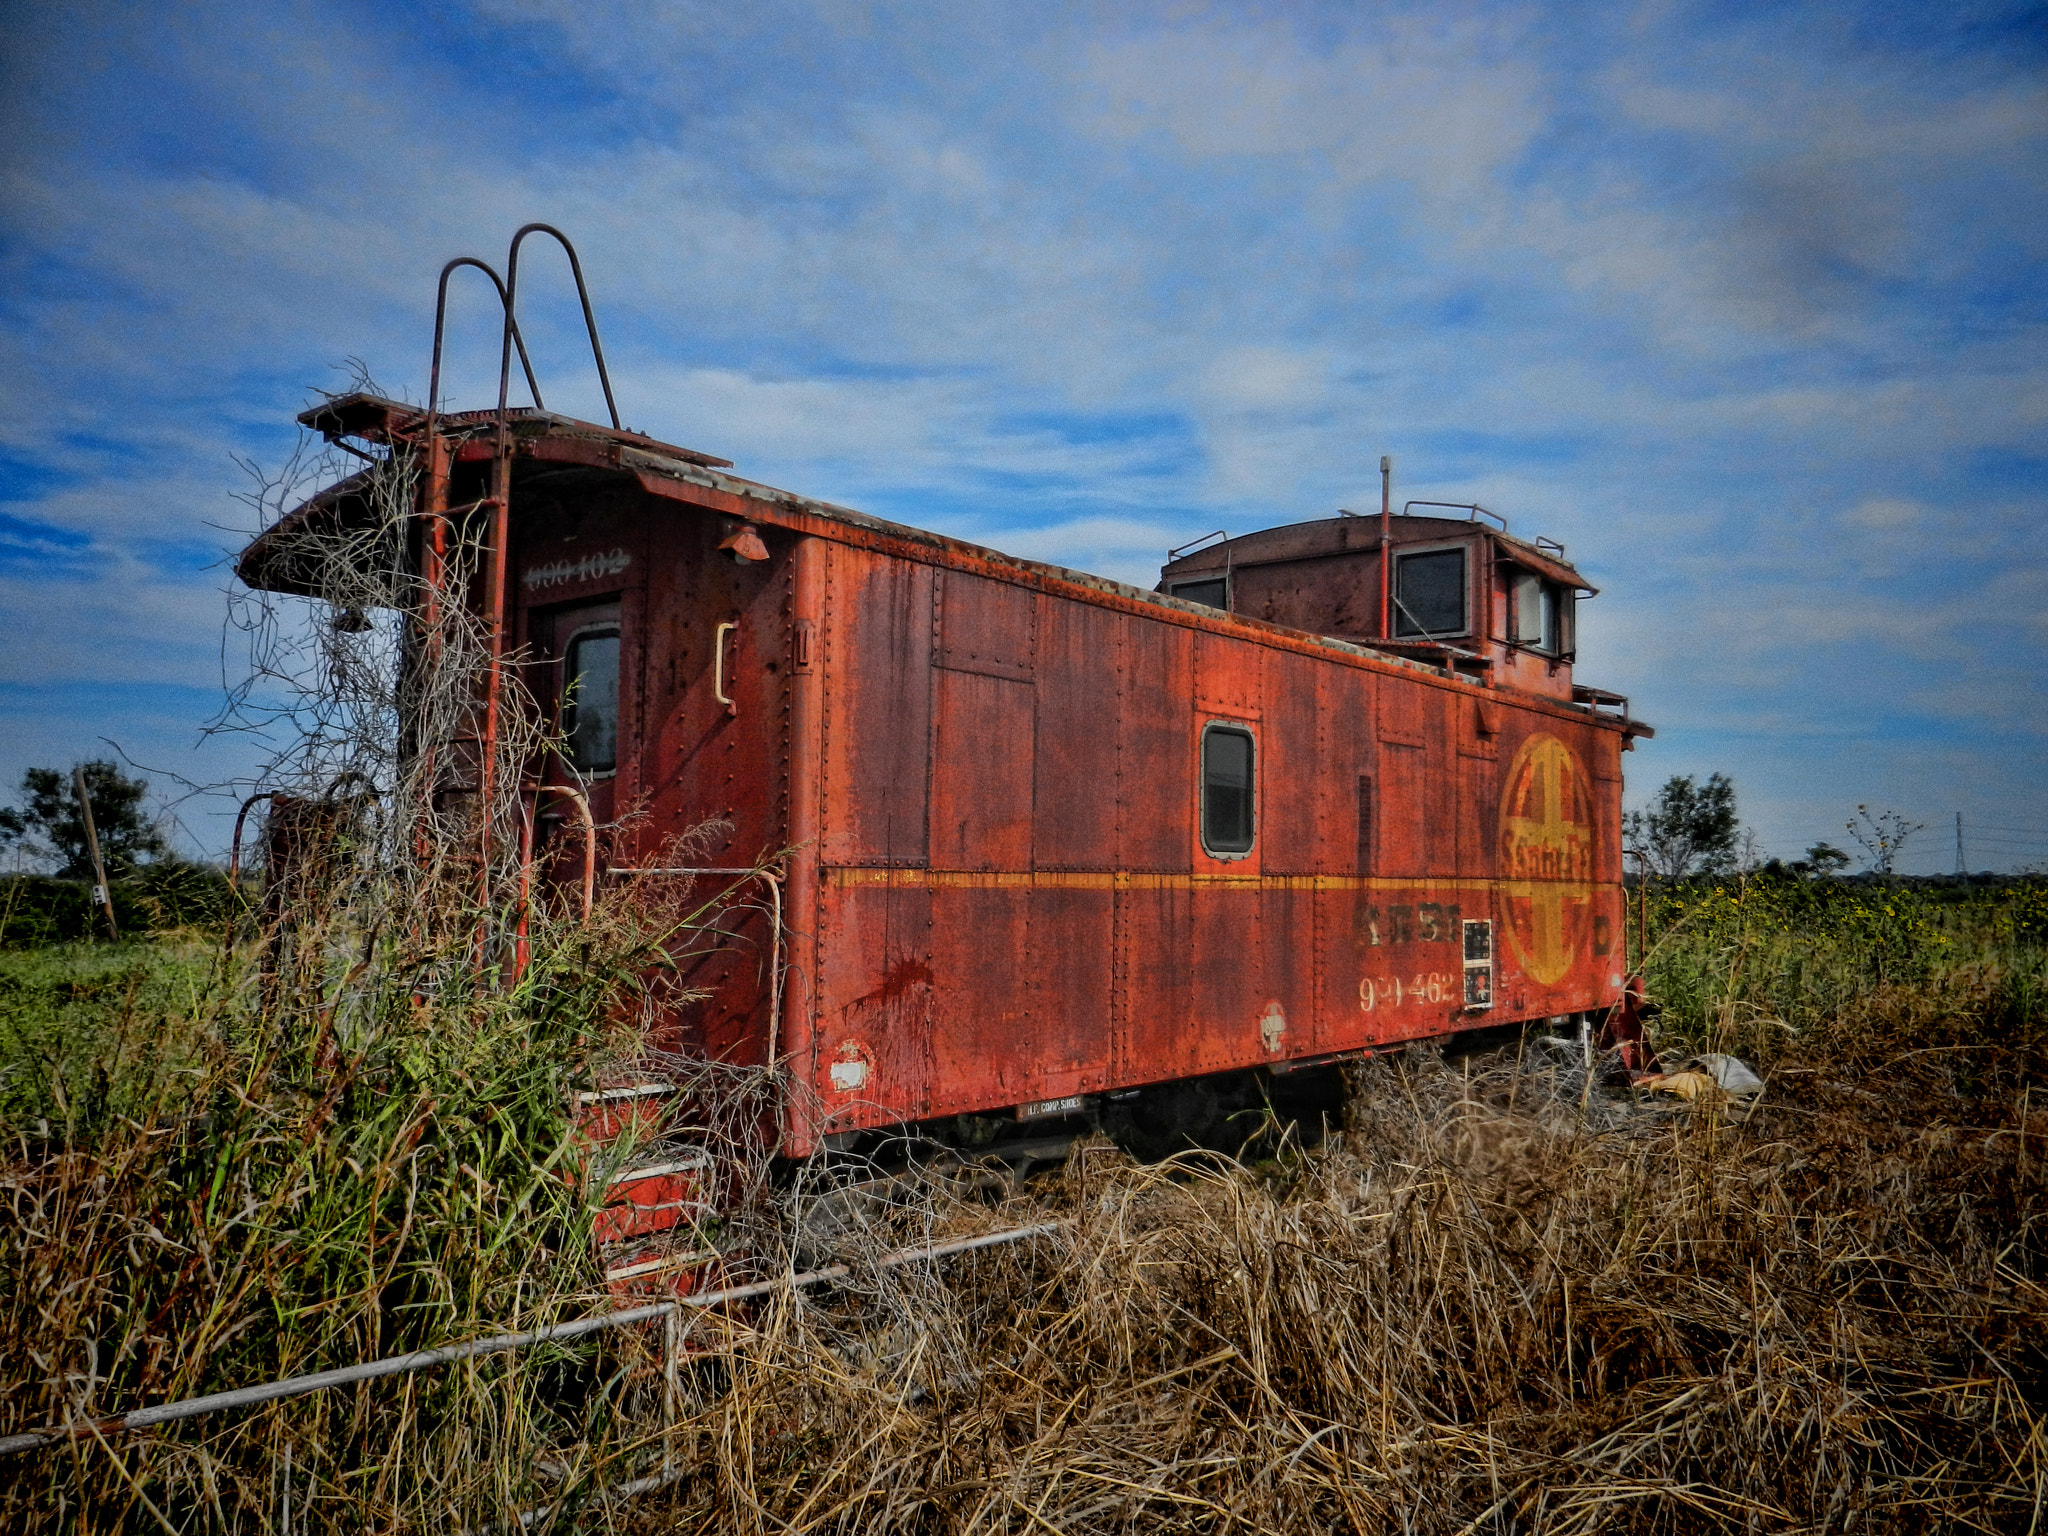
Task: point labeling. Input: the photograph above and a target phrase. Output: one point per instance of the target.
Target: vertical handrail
(235, 867)
(434, 508)
(718, 667)
(501, 530)
(582, 804)
(235, 847)
(1386, 545)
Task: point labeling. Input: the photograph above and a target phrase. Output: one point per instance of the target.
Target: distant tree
(1882, 835)
(50, 829)
(1822, 859)
(1689, 829)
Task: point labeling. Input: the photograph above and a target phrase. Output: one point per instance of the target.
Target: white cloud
(1729, 314)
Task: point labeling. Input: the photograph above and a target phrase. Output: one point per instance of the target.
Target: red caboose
(1035, 837)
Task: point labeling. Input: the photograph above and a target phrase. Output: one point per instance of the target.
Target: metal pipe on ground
(420, 1360)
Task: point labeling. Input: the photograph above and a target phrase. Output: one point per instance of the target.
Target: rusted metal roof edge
(263, 549)
(802, 514)
(1516, 552)
(375, 418)
(662, 471)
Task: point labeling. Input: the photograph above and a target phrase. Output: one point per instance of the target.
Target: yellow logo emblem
(1546, 857)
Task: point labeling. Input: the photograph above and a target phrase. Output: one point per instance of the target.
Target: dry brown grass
(1500, 1307)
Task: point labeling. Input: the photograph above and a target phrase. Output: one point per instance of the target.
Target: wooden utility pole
(100, 892)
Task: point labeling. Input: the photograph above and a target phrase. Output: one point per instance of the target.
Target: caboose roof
(1361, 535)
(547, 444)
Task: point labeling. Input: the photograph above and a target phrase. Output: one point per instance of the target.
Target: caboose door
(578, 690)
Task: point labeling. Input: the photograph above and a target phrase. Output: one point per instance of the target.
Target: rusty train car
(1041, 841)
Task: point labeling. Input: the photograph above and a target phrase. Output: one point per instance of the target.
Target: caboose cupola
(1463, 593)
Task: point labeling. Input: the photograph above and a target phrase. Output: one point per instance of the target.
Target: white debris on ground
(1710, 1072)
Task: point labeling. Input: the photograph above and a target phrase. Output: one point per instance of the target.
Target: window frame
(1222, 577)
(591, 631)
(1401, 553)
(1234, 728)
(1555, 604)
(1519, 582)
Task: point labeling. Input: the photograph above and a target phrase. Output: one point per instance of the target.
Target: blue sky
(1745, 303)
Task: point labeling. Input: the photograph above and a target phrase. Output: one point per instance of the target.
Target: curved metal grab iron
(582, 805)
(440, 325)
(235, 847)
(589, 318)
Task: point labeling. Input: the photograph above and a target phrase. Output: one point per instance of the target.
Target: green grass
(217, 1179)
(91, 1031)
(1758, 967)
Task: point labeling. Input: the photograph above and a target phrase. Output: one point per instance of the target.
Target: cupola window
(1210, 591)
(1539, 614)
(1429, 594)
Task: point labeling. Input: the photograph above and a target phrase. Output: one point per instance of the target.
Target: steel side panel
(1603, 759)
(982, 1042)
(1066, 984)
(1401, 832)
(1161, 1033)
(1226, 972)
(1229, 677)
(1345, 752)
(1401, 975)
(1074, 808)
(1553, 820)
(1284, 1023)
(982, 755)
(987, 626)
(706, 762)
(1477, 833)
(1030, 981)
(1155, 794)
(1292, 770)
(877, 1005)
(877, 645)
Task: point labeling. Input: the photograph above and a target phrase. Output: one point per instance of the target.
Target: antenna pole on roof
(1386, 544)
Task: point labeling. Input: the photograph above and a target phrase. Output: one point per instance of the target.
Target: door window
(590, 701)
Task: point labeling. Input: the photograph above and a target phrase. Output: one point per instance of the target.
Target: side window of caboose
(1535, 612)
(1429, 593)
(1227, 785)
(1541, 614)
(590, 700)
(1214, 591)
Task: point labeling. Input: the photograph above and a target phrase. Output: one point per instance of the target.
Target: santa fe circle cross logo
(1546, 857)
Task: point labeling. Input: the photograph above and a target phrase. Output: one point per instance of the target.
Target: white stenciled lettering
(1422, 987)
(561, 573)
